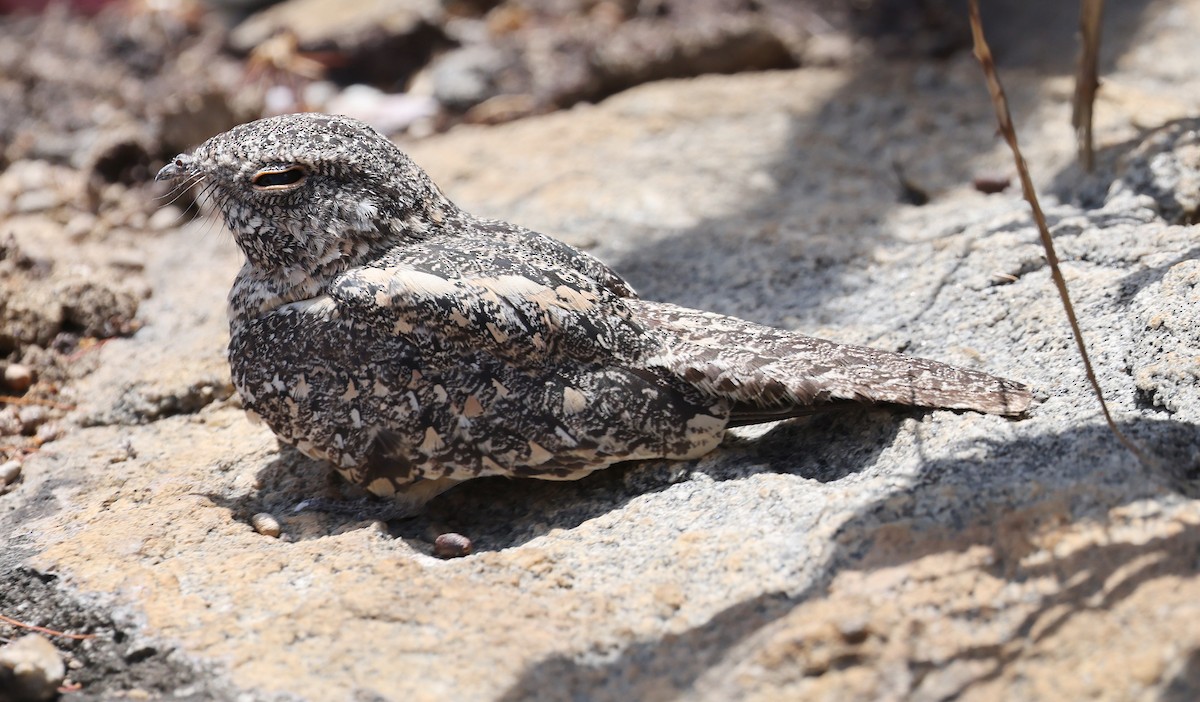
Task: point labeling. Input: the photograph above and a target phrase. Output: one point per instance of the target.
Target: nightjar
(412, 345)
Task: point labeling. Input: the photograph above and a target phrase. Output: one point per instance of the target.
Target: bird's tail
(772, 374)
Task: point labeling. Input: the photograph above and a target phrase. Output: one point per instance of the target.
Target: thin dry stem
(1086, 79)
(43, 630)
(14, 400)
(1004, 118)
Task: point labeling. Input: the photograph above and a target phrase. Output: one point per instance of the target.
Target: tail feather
(773, 373)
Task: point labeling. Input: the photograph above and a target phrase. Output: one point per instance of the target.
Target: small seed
(266, 525)
(50, 431)
(991, 184)
(451, 545)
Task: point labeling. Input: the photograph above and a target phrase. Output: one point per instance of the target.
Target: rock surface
(864, 555)
(540, 54)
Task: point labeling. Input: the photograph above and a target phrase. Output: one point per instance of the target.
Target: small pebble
(854, 629)
(165, 218)
(33, 668)
(451, 545)
(10, 423)
(388, 112)
(82, 226)
(266, 525)
(32, 417)
(18, 377)
(9, 472)
(50, 431)
(37, 201)
(991, 184)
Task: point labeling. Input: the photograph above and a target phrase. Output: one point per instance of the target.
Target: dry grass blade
(1086, 79)
(1004, 118)
(43, 630)
(14, 400)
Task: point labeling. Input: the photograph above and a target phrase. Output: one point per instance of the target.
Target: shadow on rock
(788, 251)
(1013, 496)
(1185, 684)
(108, 654)
(1155, 162)
(499, 513)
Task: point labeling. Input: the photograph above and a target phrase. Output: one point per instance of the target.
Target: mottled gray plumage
(378, 326)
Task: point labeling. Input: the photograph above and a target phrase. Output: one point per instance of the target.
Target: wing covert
(516, 318)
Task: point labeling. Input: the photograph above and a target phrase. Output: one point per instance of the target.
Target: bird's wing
(504, 375)
(531, 246)
(773, 373)
(512, 316)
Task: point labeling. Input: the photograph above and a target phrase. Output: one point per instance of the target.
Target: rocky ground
(865, 555)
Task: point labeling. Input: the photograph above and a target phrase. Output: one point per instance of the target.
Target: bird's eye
(279, 178)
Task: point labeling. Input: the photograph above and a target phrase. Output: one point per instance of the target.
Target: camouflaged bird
(412, 345)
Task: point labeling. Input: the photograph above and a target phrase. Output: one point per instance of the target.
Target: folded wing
(772, 373)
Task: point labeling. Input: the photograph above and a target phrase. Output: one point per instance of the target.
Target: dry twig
(14, 400)
(1004, 118)
(1086, 79)
(42, 630)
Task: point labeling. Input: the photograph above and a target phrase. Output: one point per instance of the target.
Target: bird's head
(307, 194)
